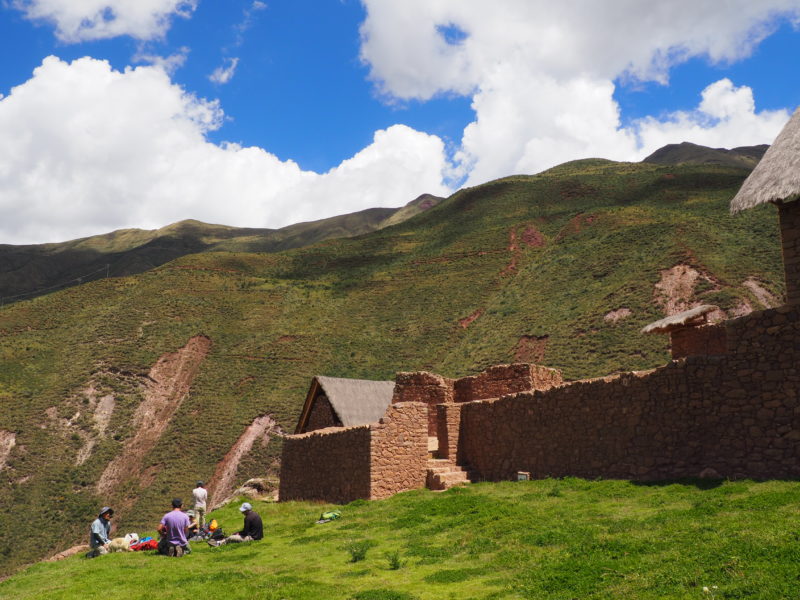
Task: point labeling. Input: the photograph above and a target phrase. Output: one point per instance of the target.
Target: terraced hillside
(126, 390)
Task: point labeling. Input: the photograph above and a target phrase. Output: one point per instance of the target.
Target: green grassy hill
(562, 268)
(33, 270)
(550, 539)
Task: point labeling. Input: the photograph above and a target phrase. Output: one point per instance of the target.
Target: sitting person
(173, 528)
(253, 528)
(99, 533)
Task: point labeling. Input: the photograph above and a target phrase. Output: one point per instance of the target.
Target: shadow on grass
(700, 484)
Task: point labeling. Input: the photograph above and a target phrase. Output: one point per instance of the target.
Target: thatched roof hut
(777, 177)
(338, 402)
(688, 318)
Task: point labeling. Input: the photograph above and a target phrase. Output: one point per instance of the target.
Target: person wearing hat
(200, 496)
(253, 528)
(173, 528)
(100, 532)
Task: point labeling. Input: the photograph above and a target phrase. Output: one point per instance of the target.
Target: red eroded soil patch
(533, 237)
(513, 247)
(166, 387)
(531, 349)
(223, 481)
(467, 321)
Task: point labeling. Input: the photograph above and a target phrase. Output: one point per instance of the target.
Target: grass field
(546, 539)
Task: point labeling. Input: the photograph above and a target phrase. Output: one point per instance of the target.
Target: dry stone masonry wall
(332, 465)
(423, 387)
(736, 415)
(733, 412)
(367, 461)
(322, 415)
(707, 340)
(399, 450)
(505, 379)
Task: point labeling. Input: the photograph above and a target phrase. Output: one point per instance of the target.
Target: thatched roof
(687, 318)
(355, 401)
(777, 177)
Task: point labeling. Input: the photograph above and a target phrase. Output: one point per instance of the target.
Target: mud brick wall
(332, 465)
(322, 415)
(736, 415)
(789, 214)
(399, 450)
(707, 340)
(505, 379)
(423, 387)
(449, 417)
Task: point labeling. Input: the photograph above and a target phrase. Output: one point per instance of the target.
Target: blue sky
(331, 106)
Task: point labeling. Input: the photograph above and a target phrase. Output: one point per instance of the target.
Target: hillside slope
(686, 153)
(562, 268)
(30, 271)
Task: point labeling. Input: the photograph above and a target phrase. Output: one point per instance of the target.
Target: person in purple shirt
(173, 528)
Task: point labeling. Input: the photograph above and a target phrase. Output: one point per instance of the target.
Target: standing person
(253, 528)
(100, 532)
(173, 528)
(200, 495)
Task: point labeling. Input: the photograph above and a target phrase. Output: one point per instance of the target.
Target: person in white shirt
(200, 496)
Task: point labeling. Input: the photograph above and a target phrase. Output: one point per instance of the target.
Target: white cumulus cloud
(222, 75)
(81, 20)
(542, 74)
(86, 149)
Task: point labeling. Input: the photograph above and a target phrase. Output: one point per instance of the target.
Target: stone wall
(505, 379)
(321, 415)
(706, 340)
(736, 415)
(423, 387)
(332, 465)
(399, 450)
(367, 461)
(449, 417)
(789, 214)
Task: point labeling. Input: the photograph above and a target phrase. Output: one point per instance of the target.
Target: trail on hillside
(167, 385)
(224, 478)
(8, 440)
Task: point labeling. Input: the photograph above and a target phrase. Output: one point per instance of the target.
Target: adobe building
(690, 333)
(727, 405)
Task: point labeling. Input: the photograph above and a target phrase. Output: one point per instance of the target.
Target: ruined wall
(505, 379)
(707, 340)
(399, 450)
(789, 214)
(367, 461)
(449, 422)
(736, 415)
(423, 387)
(332, 465)
(321, 415)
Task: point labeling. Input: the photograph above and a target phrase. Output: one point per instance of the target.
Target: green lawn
(565, 539)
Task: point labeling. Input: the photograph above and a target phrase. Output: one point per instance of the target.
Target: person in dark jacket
(253, 528)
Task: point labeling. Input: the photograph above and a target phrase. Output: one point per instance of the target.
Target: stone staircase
(442, 475)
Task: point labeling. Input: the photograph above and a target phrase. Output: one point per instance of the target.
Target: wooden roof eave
(312, 394)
